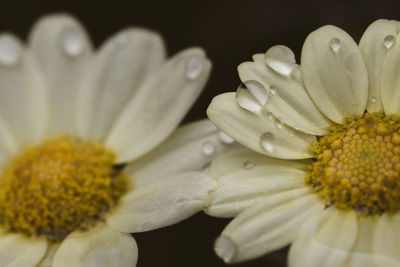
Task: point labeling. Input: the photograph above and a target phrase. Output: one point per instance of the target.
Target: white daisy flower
(322, 163)
(87, 153)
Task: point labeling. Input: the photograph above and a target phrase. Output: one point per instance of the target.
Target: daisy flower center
(357, 165)
(56, 187)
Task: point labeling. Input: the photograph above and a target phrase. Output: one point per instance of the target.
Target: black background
(230, 32)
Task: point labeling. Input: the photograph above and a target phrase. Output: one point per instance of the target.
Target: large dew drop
(335, 45)
(195, 66)
(225, 138)
(10, 50)
(266, 142)
(247, 101)
(389, 41)
(281, 59)
(258, 91)
(208, 148)
(248, 164)
(73, 42)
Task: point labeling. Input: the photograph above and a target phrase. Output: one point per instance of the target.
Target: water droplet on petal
(73, 42)
(247, 101)
(208, 148)
(270, 115)
(279, 124)
(273, 89)
(225, 138)
(121, 38)
(206, 167)
(10, 50)
(258, 91)
(389, 41)
(266, 142)
(373, 99)
(281, 59)
(335, 45)
(248, 164)
(195, 66)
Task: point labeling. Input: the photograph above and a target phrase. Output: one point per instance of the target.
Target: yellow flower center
(357, 165)
(61, 185)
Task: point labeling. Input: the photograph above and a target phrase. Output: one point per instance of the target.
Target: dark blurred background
(230, 31)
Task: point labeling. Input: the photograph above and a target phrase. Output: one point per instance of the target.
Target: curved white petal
(287, 99)
(23, 102)
(326, 241)
(190, 148)
(377, 40)
(162, 202)
(121, 66)
(257, 131)
(159, 105)
(17, 250)
(99, 247)
(334, 73)
(386, 240)
(389, 78)
(63, 51)
(269, 225)
(245, 178)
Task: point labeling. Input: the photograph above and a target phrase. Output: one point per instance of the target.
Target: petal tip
(225, 248)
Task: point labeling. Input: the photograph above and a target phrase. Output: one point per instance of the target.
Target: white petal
(47, 260)
(162, 203)
(23, 103)
(326, 241)
(389, 78)
(287, 99)
(334, 73)
(386, 240)
(377, 40)
(99, 247)
(123, 63)
(247, 178)
(190, 148)
(17, 250)
(63, 51)
(159, 105)
(257, 131)
(269, 225)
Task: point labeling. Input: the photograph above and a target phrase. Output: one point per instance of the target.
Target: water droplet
(10, 50)
(273, 89)
(281, 59)
(279, 124)
(247, 101)
(248, 164)
(389, 41)
(195, 66)
(270, 115)
(121, 38)
(73, 42)
(266, 142)
(206, 167)
(373, 99)
(258, 91)
(335, 45)
(208, 148)
(225, 138)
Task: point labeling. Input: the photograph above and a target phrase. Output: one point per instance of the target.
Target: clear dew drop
(258, 91)
(248, 164)
(273, 89)
(270, 115)
(121, 38)
(279, 124)
(10, 50)
(195, 66)
(73, 42)
(266, 142)
(225, 138)
(389, 41)
(281, 59)
(373, 99)
(247, 101)
(208, 148)
(335, 45)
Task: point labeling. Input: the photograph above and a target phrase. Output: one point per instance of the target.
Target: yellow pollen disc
(61, 185)
(357, 165)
